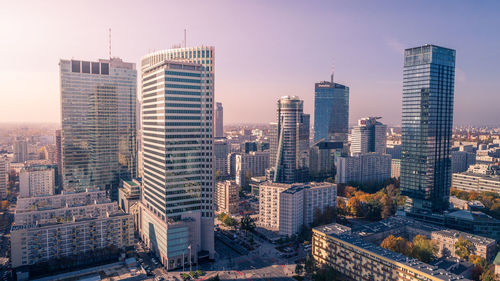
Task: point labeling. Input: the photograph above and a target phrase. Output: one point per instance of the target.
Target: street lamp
(190, 268)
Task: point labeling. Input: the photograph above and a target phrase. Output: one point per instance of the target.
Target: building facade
(37, 180)
(461, 160)
(178, 133)
(219, 120)
(290, 141)
(221, 150)
(395, 168)
(226, 197)
(4, 176)
(253, 164)
(369, 136)
(21, 152)
(364, 168)
(98, 106)
(427, 120)
(331, 111)
(475, 182)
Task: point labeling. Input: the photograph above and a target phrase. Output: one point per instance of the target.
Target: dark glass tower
(331, 112)
(427, 119)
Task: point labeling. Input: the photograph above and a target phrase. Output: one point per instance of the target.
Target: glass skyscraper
(98, 112)
(427, 119)
(331, 112)
(177, 136)
(290, 141)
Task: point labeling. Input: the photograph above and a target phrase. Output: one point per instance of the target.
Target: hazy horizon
(263, 50)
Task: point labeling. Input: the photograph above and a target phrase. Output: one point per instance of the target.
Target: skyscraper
(290, 141)
(21, 150)
(176, 211)
(427, 119)
(219, 120)
(98, 101)
(331, 111)
(59, 158)
(369, 136)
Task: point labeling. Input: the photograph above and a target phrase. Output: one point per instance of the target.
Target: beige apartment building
(226, 197)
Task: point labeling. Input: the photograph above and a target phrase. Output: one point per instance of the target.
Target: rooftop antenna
(109, 43)
(185, 38)
(333, 71)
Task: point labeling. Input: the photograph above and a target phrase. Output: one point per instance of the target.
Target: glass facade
(98, 111)
(331, 112)
(427, 120)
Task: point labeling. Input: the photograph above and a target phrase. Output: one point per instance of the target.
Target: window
(85, 67)
(75, 66)
(105, 68)
(95, 68)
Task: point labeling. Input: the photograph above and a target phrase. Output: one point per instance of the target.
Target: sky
(264, 50)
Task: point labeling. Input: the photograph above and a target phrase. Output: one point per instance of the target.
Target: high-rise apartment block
(427, 120)
(219, 120)
(21, 153)
(226, 197)
(287, 207)
(37, 180)
(369, 136)
(67, 225)
(290, 141)
(331, 111)
(177, 111)
(253, 164)
(364, 168)
(4, 176)
(221, 150)
(98, 106)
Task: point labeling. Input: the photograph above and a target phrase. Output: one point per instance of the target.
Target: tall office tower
(59, 158)
(369, 136)
(290, 141)
(140, 164)
(427, 119)
(219, 120)
(176, 214)
(4, 176)
(98, 102)
(331, 111)
(21, 153)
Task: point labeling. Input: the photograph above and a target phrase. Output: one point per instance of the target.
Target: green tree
(247, 223)
(424, 249)
(325, 273)
(299, 269)
(463, 248)
(310, 265)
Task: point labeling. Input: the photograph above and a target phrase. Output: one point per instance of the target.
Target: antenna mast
(109, 43)
(185, 39)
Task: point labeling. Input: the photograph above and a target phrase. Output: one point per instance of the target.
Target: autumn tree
(354, 206)
(341, 207)
(397, 244)
(424, 249)
(463, 248)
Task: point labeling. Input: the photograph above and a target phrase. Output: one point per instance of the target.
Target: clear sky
(264, 50)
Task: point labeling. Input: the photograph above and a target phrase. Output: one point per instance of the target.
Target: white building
(395, 168)
(364, 168)
(369, 136)
(286, 207)
(4, 176)
(253, 164)
(36, 180)
(226, 197)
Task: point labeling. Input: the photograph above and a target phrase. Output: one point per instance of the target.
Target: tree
(424, 249)
(247, 223)
(325, 273)
(463, 248)
(354, 206)
(372, 210)
(299, 269)
(341, 207)
(397, 244)
(488, 275)
(310, 265)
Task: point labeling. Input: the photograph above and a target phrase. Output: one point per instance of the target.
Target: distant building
(427, 120)
(59, 158)
(473, 205)
(331, 111)
(461, 160)
(4, 176)
(471, 181)
(226, 197)
(369, 136)
(286, 207)
(231, 164)
(219, 120)
(37, 180)
(364, 168)
(250, 146)
(253, 164)
(290, 141)
(395, 168)
(21, 152)
(221, 150)
(67, 225)
(394, 151)
(322, 159)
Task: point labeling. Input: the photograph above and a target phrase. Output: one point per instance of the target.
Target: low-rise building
(334, 245)
(445, 240)
(476, 182)
(226, 197)
(45, 230)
